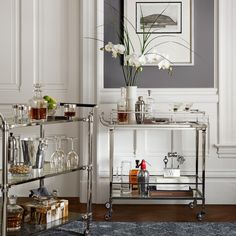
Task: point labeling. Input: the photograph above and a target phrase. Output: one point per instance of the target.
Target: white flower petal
(109, 47)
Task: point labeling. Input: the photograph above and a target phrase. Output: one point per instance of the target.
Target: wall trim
(166, 95)
(14, 83)
(226, 151)
(227, 85)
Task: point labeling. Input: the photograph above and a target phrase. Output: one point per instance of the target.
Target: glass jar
(37, 105)
(69, 110)
(14, 214)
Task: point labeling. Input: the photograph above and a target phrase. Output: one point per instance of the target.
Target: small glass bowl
(20, 169)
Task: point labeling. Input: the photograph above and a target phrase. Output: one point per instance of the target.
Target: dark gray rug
(147, 229)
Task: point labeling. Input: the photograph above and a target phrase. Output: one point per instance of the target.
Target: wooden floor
(161, 213)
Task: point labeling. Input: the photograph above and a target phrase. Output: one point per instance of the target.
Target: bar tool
(40, 155)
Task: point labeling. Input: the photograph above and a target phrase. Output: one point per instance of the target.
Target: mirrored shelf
(160, 194)
(37, 174)
(168, 121)
(53, 120)
(32, 229)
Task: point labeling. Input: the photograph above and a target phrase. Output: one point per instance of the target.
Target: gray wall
(201, 75)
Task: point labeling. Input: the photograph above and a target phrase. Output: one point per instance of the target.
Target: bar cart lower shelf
(30, 229)
(195, 191)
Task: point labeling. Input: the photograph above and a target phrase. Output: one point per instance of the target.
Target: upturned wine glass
(72, 156)
(58, 157)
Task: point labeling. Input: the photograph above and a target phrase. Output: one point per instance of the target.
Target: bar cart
(170, 121)
(8, 124)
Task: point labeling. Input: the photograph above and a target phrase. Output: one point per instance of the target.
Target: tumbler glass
(125, 170)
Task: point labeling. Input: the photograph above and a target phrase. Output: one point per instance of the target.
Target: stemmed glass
(72, 156)
(58, 160)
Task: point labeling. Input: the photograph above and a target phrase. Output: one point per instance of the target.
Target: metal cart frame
(7, 125)
(199, 193)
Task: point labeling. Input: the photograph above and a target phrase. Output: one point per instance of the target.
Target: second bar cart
(47, 172)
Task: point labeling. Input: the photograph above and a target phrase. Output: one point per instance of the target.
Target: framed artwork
(159, 17)
(170, 24)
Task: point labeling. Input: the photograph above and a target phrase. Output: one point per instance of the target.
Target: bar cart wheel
(192, 204)
(107, 216)
(108, 205)
(200, 215)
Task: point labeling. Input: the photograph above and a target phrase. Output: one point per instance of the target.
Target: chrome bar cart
(193, 120)
(7, 182)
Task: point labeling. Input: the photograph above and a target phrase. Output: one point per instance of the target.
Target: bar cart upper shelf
(7, 181)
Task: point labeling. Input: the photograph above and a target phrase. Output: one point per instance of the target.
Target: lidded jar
(37, 105)
(14, 214)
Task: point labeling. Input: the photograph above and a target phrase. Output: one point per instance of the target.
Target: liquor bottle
(14, 214)
(143, 179)
(133, 176)
(149, 105)
(122, 115)
(37, 105)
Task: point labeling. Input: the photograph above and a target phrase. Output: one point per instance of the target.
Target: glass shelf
(182, 187)
(165, 120)
(32, 229)
(160, 195)
(37, 174)
(12, 124)
(160, 180)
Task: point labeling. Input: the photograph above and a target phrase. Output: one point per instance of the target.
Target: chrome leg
(89, 169)
(197, 159)
(111, 147)
(203, 167)
(5, 133)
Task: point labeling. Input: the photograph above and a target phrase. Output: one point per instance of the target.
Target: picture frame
(159, 17)
(173, 37)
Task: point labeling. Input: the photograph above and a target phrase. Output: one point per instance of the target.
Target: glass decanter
(37, 105)
(149, 105)
(14, 214)
(122, 115)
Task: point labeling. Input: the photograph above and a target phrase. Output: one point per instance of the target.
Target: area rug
(147, 229)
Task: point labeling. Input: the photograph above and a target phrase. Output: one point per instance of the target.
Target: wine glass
(72, 156)
(58, 157)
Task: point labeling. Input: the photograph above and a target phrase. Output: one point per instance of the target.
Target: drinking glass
(125, 170)
(58, 158)
(72, 156)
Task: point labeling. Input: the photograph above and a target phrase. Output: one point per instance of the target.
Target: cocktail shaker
(40, 155)
(12, 149)
(140, 110)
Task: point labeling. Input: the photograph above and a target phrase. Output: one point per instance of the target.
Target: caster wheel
(107, 217)
(86, 232)
(107, 205)
(192, 204)
(200, 216)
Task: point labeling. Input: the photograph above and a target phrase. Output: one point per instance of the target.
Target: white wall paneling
(10, 62)
(40, 43)
(227, 85)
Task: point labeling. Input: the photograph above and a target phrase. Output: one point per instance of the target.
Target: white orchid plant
(135, 59)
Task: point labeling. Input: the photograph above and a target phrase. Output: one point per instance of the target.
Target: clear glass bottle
(37, 105)
(149, 105)
(14, 214)
(122, 115)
